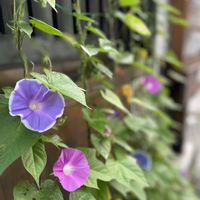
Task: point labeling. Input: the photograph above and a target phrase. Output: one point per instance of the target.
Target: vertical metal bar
(2, 28)
(44, 14)
(64, 16)
(94, 9)
(104, 10)
(83, 10)
(83, 6)
(6, 6)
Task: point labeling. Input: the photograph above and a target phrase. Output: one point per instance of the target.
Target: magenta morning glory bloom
(72, 169)
(107, 131)
(151, 84)
(37, 106)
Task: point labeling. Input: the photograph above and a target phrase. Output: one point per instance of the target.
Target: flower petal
(29, 88)
(58, 169)
(18, 105)
(70, 183)
(152, 84)
(38, 121)
(143, 159)
(53, 104)
(75, 180)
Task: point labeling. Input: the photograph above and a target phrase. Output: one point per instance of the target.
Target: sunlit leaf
(96, 31)
(122, 57)
(133, 188)
(25, 27)
(35, 159)
(54, 139)
(173, 59)
(112, 98)
(134, 23)
(7, 91)
(177, 76)
(95, 120)
(154, 109)
(106, 46)
(52, 3)
(50, 191)
(63, 84)
(179, 21)
(122, 143)
(103, 69)
(125, 170)
(102, 144)
(129, 2)
(98, 170)
(83, 17)
(24, 190)
(52, 31)
(82, 194)
(90, 50)
(170, 8)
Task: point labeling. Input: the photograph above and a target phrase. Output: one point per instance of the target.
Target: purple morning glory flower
(38, 106)
(151, 84)
(113, 115)
(184, 173)
(72, 169)
(143, 159)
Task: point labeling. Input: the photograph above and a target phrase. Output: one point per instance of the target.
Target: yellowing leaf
(136, 24)
(129, 2)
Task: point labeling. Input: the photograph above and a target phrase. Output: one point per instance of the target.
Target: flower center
(34, 105)
(67, 169)
(149, 86)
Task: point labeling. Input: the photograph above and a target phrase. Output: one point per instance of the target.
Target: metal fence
(63, 20)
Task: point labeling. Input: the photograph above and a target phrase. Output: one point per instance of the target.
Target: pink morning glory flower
(107, 131)
(151, 84)
(37, 105)
(72, 169)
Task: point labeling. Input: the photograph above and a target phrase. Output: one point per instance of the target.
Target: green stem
(25, 62)
(18, 37)
(14, 12)
(83, 35)
(82, 31)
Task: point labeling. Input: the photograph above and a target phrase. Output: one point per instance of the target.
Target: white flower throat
(149, 86)
(35, 106)
(67, 169)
